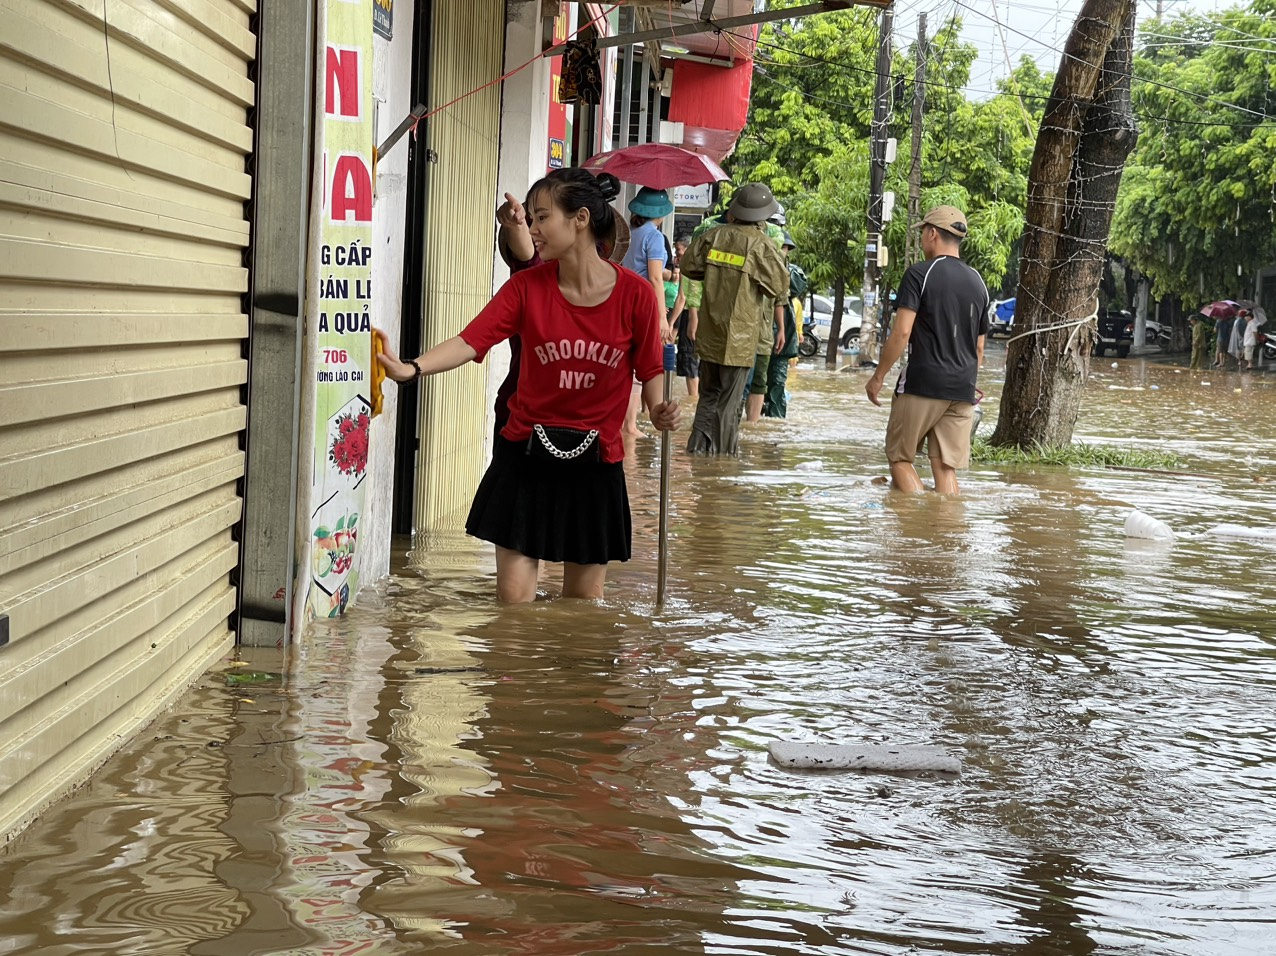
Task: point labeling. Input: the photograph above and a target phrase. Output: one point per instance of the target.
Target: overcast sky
(1035, 28)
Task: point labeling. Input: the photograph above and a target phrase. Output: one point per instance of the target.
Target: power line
(1065, 53)
(992, 93)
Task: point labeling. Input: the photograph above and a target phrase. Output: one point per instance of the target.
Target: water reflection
(436, 772)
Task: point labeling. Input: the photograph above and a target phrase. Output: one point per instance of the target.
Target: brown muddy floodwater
(436, 773)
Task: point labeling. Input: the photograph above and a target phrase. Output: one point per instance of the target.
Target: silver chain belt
(558, 452)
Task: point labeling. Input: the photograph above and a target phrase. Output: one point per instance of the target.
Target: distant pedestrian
(672, 275)
(1222, 330)
(941, 321)
(740, 268)
(1250, 340)
(684, 318)
(648, 256)
(777, 402)
(1236, 340)
(771, 339)
(1200, 342)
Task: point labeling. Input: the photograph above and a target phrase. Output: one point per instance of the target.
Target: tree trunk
(1086, 134)
(1180, 331)
(835, 324)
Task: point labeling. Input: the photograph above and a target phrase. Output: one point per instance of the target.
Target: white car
(819, 319)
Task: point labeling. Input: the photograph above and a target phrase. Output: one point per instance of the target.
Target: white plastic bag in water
(1140, 525)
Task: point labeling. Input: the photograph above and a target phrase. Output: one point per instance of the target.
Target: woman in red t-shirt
(555, 490)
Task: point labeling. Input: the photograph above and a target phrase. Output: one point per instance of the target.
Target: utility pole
(912, 247)
(876, 184)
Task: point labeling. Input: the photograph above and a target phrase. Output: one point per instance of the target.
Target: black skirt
(551, 510)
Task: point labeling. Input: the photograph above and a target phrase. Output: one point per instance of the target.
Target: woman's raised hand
(511, 213)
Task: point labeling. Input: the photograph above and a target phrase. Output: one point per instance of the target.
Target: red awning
(712, 102)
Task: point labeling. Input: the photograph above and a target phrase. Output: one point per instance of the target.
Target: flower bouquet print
(334, 564)
(348, 443)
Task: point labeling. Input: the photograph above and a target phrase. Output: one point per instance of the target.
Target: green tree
(812, 92)
(828, 225)
(1196, 207)
(808, 139)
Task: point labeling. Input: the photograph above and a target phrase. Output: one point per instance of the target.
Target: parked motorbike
(1269, 347)
(1154, 333)
(810, 344)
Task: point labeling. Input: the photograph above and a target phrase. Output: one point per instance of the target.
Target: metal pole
(644, 122)
(876, 183)
(686, 27)
(626, 82)
(666, 449)
(913, 248)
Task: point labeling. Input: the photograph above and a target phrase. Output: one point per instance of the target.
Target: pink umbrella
(657, 165)
(1222, 309)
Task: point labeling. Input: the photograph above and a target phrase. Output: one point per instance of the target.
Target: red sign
(557, 111)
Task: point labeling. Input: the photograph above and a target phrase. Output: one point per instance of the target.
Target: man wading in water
(741, 269)
(941, 320)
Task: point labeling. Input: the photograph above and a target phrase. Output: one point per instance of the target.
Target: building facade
(205, 206)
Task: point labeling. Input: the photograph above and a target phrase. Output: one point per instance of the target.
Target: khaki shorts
(915, 419)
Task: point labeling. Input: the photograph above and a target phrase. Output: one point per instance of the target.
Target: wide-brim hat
(753, 203)
(651, 203)
(616, 250)
(948, 218)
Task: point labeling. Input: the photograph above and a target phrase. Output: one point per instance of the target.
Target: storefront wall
(124, 145)
(391, 90)
(467, 53)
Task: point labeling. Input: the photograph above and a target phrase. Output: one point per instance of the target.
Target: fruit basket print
(332, 557)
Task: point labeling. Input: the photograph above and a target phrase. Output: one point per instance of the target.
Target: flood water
(436, 773)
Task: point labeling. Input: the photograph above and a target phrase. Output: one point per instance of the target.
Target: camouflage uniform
(1200, 344)
(777, 406)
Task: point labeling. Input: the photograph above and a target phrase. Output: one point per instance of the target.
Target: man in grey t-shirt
(941, 320)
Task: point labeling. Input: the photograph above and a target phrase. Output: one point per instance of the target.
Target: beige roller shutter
(123, 143)
(467, 52)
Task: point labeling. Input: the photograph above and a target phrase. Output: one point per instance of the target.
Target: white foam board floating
(883, 757)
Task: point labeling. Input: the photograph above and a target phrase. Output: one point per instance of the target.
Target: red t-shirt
(501, 407)
(578, 362)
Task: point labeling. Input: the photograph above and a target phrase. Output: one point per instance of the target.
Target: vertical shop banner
(557, 111)
(342, 326)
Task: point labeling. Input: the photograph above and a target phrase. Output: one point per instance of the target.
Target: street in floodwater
(436, 773)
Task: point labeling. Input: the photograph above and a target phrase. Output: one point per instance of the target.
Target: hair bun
(608, 185)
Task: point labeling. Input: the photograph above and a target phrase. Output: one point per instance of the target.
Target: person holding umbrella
(1221, 312)
(648, 256)
(647, 253)
(1222, 329)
